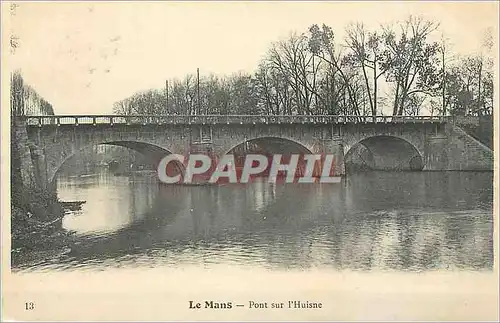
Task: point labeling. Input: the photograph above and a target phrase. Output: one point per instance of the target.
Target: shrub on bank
(36, 216)
(35, 202)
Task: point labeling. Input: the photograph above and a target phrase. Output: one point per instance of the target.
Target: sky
(84, 56)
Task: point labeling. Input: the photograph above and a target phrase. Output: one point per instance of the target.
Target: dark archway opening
(121, 158)
(269, 147)
(383, 153)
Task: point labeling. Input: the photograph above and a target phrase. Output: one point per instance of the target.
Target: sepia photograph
(267, 160)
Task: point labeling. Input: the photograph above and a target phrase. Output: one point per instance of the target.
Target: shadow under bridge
(386, 153)
(269, 147)
(152, 153)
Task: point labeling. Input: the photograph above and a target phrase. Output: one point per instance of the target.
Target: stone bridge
(432, 143)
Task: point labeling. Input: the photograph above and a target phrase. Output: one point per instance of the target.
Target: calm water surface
(379, 220)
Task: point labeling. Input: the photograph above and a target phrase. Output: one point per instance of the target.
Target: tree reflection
(382, 221)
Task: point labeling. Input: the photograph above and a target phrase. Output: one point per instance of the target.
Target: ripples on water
(380, 220)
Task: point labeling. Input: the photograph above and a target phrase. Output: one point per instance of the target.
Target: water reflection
(112, 202)
(398, 221)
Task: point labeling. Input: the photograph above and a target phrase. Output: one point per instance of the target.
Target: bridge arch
(383, 152)
(268, 146)
(272, 142)
(154, 153)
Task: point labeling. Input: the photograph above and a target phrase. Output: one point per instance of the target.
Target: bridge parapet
(224, 119)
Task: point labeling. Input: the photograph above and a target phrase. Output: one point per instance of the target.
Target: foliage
(39, 203)
(394, 70)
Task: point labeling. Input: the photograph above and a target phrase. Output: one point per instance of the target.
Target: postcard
(249, 161)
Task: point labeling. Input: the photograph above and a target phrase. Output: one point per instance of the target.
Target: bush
(40, 203)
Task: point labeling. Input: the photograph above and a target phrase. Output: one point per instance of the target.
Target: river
(411, 221)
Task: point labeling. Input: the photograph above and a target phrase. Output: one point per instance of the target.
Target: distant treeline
(24, 100)
(396, 69)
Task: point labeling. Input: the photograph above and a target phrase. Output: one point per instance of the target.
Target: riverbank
(36, 225)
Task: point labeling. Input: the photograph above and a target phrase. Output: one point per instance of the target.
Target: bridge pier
(28, 160)
(40, 166)
(335, 147)
(436, 153)
(22, 166)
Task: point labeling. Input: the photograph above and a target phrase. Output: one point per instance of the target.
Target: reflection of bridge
(380, 142)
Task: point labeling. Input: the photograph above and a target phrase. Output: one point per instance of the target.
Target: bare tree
(322, 45)
(410, 60)
(24, 100)
(367, 52)
(299, 69)
(310, 73)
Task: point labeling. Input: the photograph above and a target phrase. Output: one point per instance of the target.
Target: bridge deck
(224, 119)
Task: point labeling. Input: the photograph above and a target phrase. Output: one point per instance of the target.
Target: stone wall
(465, 152)
(479, 127)
(23, 171)
(437, 146)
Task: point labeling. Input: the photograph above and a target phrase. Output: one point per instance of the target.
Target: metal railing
(223, 119)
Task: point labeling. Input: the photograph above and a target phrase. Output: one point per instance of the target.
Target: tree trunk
(396, 100)
(374, 112)
(367, 87)
(444, 85)
(479, 105)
